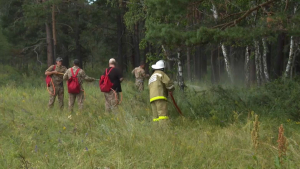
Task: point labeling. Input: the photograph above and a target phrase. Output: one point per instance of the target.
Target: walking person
(140, 76)
(159, 85)
(76, 73)
(56, 87)
(115, 76)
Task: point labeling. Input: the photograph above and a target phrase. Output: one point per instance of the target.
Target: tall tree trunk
(136, 45)
(269, 60)
(260, 64)
(77, 39)
(147, 51)
(252, 70)
(227, 64)
(188, 62)
(179, 65)
(198, 63)
(214, 66)
(65, 47)
(264, 58)
(257, 63)
(224, 50)
(54, 31)
(194, 64)
(49, 45)
(180, 73)
(203, 63)
(247, 67)
(280, 56)
(291, 54)
(120, 37)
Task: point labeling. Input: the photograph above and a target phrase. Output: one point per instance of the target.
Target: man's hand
(147, 75)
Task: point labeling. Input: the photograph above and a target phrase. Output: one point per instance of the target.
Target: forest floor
(34, 137)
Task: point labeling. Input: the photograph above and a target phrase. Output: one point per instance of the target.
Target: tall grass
(215, 132)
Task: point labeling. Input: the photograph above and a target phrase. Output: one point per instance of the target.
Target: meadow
(218, 129)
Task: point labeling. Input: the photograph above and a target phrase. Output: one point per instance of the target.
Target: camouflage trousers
(139, 84)
(59, 92)
(160, 111)
(73, 97)
(111, 101)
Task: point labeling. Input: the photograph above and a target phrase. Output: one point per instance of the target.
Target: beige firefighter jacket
(159, 85)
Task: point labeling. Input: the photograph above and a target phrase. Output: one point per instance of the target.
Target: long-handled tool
(175, 104)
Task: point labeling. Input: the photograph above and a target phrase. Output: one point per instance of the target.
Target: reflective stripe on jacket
(159, 85)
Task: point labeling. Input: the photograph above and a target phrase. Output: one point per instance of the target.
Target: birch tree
(264, 58)
(291, 52)
(257, 62)
(180, 78)
(247, 66)
(224, 50)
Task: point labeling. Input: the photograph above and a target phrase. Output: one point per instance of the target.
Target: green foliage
(135, 13)
(223, 105)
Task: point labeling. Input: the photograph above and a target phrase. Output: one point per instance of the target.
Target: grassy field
(215, 133)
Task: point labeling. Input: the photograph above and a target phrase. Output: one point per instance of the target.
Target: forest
(208, 39)
(235, 63)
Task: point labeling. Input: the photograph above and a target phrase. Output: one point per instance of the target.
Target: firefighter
(159, 85)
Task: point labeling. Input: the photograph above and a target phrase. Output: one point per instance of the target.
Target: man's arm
(66, 76)
(50, 71)
(168, 83)
(144, 75)
(133, 71)
(120, 75)
(86, 77)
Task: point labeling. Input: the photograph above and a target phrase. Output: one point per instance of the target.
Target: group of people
(159, 86)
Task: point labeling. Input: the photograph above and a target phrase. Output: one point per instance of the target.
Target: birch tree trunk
(291, 53)
(265, 59)
(179, 65)
(180, 74)
(257, 67)
(260, 64)
(224, 51)
(227, 64)
(247, 67)
(294, 58)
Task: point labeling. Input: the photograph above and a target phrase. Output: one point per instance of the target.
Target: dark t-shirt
(114, 76)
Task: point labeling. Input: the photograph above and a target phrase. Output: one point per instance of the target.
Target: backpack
(73, 84)
(49, 78)
(104, 83)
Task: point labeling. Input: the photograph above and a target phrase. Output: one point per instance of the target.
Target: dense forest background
(239, 41)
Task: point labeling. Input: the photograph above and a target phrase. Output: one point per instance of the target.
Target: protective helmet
(159, 65)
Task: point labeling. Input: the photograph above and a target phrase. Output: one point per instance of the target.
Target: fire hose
(175, 104)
